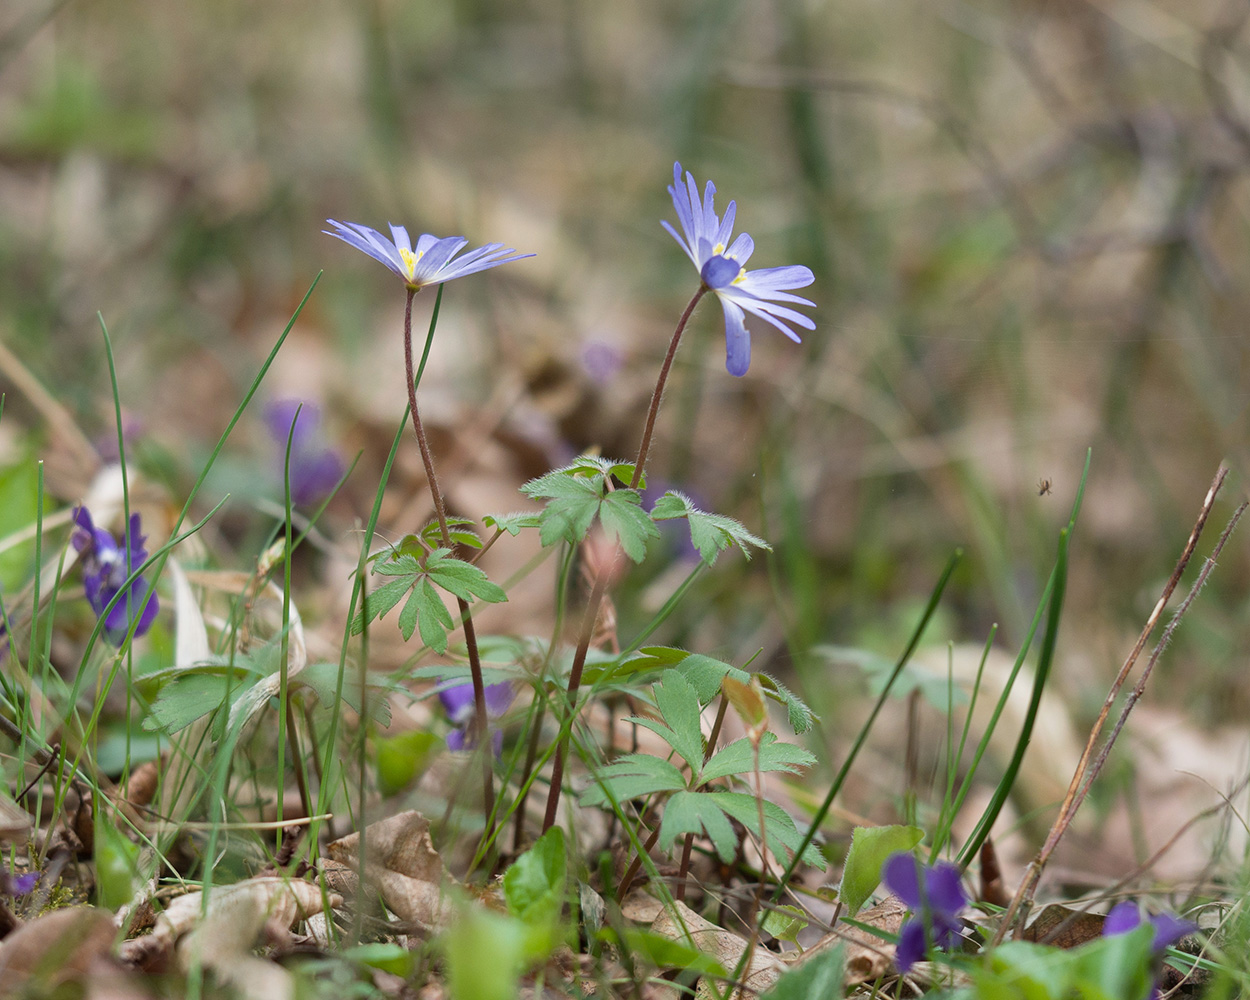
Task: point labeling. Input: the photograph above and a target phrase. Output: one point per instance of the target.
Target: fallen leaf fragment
(1064, 927)
(59, 947)
(402, 864)
(867, 956)
(687, 927)
(235, 919)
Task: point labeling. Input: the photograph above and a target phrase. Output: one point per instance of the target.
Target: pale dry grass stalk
(1089, 766)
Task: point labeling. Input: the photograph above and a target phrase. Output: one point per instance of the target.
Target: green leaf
(401, 758)
(392, 958)
(624, 520)
(711, 534)
(1117, 966)
(633, 776)
(534, 885)
(691, 812)
(665, 953)
(785, 922)
(457, 527)
(435, 620)
(739, 759)
(116, 864)
(870, 846)
(512, 523)
(569, 515)
(462, 579)
(184, 701)
(799, 715)
(780, 827)
(379, 602)
(403, 564)
(679, 705)
(322, 678)
(485, 955)
(817, 976)
(408, 616)
(706, 673)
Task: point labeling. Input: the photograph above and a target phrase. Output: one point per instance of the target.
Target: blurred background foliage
(1027, 220)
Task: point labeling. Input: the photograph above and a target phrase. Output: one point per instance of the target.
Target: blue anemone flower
(706, 239)
(935, 896)
(315, 466)
(431, 261)
(105, 567)
(1168, 927)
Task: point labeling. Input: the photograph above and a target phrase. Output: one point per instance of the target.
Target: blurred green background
(1027, 220)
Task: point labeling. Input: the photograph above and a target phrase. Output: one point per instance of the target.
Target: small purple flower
(720, 265)
(105, 567)
(430, 261)
(315, 466)
(935, 895)
(1169, 929)
(12, 884)
(458, 704)
(601, 361)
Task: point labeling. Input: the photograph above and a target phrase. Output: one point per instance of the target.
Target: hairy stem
(440, 511)
(608, 569)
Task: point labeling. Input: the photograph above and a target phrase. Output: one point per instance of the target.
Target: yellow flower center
(410, 260)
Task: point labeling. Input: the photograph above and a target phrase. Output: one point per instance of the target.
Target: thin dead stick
(1084, 773)
(1162, 644)
(1150, 862)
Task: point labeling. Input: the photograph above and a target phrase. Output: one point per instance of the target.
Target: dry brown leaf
(236, 916)
(14, 820)
(1064, 927)
(867, 956)
(58, 947)
(689, 928)
(400, 842)
(400, 861)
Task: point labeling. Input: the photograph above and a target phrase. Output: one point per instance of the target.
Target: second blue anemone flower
(706, 239)
(431, 261)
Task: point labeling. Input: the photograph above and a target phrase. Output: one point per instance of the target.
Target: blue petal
(1122, 919)
(945, 889)
(399, 236)
(1169, 929)
(790, 276)
(741, 248)
(901, 874)
(737, 340)
(910, 945)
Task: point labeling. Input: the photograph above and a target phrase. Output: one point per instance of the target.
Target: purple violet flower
(105, 568)
(1169, 929)
(315, 466)
(430, 261)
(935, 896)
(458, 704)
(13, 884)
(721, 266)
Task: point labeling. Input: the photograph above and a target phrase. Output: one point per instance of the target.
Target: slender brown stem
(645, 446)
(440, 511)
(608, 569)
(708, 750)
(632, 871)
(1084, 774)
